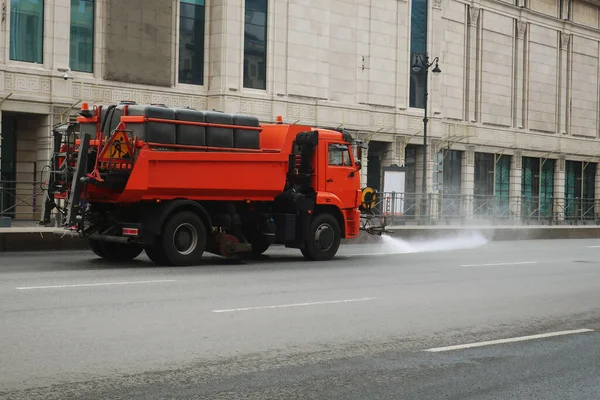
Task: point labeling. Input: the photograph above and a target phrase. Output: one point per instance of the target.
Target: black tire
(156, 254)
(97, 248)
(115, 251)
(259, 245)
(323, 238)
(175, 248)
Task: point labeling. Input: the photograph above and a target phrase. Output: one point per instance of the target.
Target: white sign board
(394, 181)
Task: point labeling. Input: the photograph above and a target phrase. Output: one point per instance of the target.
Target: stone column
(468, 182)
(516, 171)
(403, 61)
(473, 64)
(519, 84)
(437, 24)
(559, 190)
(60, 30)
(278, 73)
(563, 86)
(225, 54)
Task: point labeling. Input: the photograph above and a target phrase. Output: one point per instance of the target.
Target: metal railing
(20, 200)
(410, 208)
(23, 201)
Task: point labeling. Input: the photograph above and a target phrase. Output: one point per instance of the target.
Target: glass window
(27, 30)
(191, 42)
(339, 155)
(418, 45)
(255, 45)
(82, 35)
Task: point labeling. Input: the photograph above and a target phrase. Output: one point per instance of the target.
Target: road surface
(369, 325)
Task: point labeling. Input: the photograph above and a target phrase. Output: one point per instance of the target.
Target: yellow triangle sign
(118, 149)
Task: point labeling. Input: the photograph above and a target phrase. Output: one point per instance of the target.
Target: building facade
(514, 115)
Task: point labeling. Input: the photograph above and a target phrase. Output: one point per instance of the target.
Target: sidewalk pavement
(36, 238)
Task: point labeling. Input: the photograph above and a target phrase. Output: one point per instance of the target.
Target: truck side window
(339, 155)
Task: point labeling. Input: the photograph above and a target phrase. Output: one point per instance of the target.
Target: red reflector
(130, 231)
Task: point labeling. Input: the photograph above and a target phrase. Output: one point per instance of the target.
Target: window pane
(82, 35)
(191, 42)
(339, 155)
(255, 44)
(27, 30)
(418, 44)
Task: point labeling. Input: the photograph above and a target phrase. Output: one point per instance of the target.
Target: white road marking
(370, 254)
(510, 340)
(92, 284)
(593, 247)
(497, 264)
(315, 303)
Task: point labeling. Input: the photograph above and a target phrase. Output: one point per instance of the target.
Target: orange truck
(178, 182)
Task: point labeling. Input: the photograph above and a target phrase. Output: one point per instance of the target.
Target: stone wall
(138, 41)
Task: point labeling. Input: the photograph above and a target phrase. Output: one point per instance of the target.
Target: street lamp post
(421, 64)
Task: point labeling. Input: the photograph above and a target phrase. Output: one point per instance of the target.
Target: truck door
(341, 176)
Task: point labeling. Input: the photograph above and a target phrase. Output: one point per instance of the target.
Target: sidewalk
(36, 238)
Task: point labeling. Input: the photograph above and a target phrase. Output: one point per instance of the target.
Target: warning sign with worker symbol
(118, 149)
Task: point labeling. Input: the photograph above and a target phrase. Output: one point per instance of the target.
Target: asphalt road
(360, 327)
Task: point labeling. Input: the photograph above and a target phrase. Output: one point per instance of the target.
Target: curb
(51, 239)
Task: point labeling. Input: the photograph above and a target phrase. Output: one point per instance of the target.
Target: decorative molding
(561, 164)
(437, 4)
(58, 113)
(521, 29)
(301, 112)
(565, 39)
(415, 124)
(107, 94)
(383, 120)
(471, 155)
(400, 150)
(21, 83)
(518, 160)
(473, 16)
(256, 107)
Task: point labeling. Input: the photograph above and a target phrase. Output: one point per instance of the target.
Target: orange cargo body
(212, 174)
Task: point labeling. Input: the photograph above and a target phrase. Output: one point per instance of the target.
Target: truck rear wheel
(323, 239)
(183, 239)
(115, 251)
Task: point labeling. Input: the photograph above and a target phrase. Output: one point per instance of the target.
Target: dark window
(418, 45)
(255, 44)
(484, 174)
(82, 35)
(580, 187)
(537, 187)
(27, 30)
(452, 183)
(191, 42)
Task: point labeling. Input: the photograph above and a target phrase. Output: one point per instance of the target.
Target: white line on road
(510, 340)
(316, 303)
(497, 264)
(593, 247)
(93, 284)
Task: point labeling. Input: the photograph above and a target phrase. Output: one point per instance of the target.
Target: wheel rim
(185, 239)
(324, 237)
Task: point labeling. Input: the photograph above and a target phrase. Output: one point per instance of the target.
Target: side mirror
(358, 165)
(358, 154)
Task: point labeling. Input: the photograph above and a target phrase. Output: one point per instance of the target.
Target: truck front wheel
(115, 251)
(323, 239)
(183, 239)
